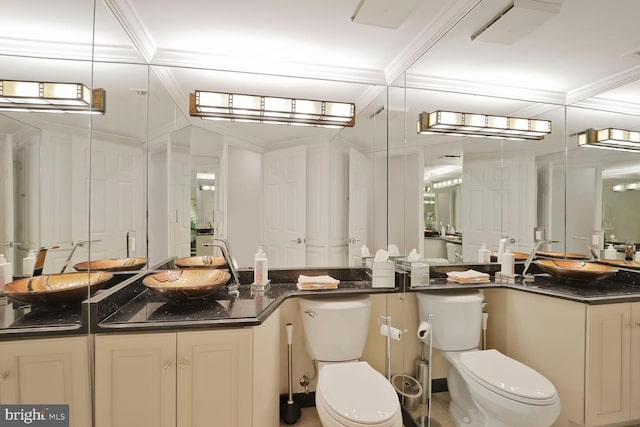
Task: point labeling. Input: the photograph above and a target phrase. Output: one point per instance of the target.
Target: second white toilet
(349, 392)
(486, 387)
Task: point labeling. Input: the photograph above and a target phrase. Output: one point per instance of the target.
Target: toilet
(486, 387)
(349, 392)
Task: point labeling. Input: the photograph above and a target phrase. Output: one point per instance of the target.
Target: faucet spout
(79, 243)
(225, 248)
(594, 254)
(40, 259)
(527, 263)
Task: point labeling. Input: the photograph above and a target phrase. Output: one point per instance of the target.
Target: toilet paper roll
(395, 333)
(424, 329)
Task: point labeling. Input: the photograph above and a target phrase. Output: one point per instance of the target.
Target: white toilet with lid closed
(349, 392)
(486, 387)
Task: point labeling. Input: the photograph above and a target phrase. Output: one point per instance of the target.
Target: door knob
(4, 375)
(166, 365)
(298, 240)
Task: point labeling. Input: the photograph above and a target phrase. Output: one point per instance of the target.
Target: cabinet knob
(4, 375)
(183, 364)
(166, 365)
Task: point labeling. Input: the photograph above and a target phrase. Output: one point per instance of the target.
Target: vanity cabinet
(613, 371)
(47, 371)
(192, 378)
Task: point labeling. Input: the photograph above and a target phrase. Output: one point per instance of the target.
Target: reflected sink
(56, 289)
(204, 261)
(117, 264)
(185, 285)
(582, 271)
(561, 255)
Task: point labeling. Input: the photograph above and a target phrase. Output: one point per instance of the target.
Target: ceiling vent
(518, 19)
(383, 13)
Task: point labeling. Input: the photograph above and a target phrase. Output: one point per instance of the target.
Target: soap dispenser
(260, 268)
(484, 254)
(6, 272)
(610, 252)
(29, 263)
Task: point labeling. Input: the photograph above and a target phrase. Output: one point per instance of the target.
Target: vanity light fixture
(268, 109)
(482, 125)
(627, 187)
(610, 139)
(50, 97)
(448, 183)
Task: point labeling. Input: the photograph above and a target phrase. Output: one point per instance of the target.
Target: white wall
(581, 206)
(158, 202)
(244, 201)
(405, 190)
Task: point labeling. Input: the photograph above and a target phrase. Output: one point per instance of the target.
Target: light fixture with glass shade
(268, 109)
(482, 125)
(50, 97)
(610, 139)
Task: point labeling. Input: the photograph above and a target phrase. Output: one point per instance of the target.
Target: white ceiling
(312, 49)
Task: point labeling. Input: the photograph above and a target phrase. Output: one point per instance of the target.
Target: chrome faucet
(527, 263)
(225, 248)
(79, 243)
(594, 254)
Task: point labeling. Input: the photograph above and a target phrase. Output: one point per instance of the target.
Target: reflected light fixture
(49, 97)
(267, 109)
(448, 183)
(610, 139)
(626, 187)
(482, 125)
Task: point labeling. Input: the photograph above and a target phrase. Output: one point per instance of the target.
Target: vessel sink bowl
(582, 271)
(56, 289)
(186, 285)
(116, 264)
(634, 265)
(517, 256)
(204, 261)
(561, 255)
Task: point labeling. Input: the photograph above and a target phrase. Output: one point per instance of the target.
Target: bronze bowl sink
(56, 289)
(575, 270)
(186, 285)
(116, 264)
(203, 261)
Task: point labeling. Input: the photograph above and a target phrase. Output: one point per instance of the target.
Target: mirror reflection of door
(285, 180)
(360, 171)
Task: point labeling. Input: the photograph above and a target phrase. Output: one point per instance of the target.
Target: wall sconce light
(610, 139)
(50, 97)
(267, 109)
(481, 125)
(448, 183)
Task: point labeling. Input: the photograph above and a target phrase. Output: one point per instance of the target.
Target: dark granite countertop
(130, 306)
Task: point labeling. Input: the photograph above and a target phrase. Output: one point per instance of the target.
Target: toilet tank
(335, 328)
(457, 318)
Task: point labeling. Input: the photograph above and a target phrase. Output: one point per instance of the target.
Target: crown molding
(608, 105)
(45, 49)
(599, 87)
(476, 88)
(133, 27)
(175, 58)
(433, 32)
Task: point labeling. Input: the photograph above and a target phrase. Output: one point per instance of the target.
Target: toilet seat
(522, 383)
(356, 395)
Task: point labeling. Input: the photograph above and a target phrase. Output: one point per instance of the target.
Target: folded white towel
(316, 286)
(317, 279)
(469, 274)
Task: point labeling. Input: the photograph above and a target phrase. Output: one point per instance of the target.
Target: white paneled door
(359, 184)
(285, 204)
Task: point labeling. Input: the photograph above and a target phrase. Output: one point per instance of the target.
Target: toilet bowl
(349, 392)
(487, 388)
(356, 395)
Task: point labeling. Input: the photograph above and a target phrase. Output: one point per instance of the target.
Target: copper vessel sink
(56, 289)
(561, 255)
(116, 264)
(185, 285)
(204, 261)
(575, 270)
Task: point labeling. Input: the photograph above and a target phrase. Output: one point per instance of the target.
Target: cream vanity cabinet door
(135, 380)
(214, 378)
(47, 371)
(609, 383)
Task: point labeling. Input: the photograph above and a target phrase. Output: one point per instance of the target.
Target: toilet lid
(507, 377)
(358, 393)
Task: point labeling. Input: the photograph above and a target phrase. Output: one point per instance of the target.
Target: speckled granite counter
(129, 306)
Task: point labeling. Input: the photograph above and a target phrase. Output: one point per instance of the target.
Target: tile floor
(439, 414)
